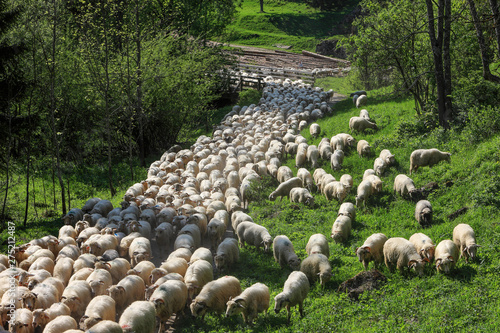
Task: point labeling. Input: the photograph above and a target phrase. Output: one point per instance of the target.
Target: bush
(249, 96)
(482, 123)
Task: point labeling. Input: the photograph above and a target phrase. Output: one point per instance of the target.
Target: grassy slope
(287, 23)
(467, 299)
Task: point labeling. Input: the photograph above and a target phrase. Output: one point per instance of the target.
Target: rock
(366, 280)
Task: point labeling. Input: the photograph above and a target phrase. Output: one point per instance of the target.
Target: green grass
(294, 24)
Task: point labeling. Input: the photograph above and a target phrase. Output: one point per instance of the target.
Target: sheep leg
(288, 314)
(301, 309)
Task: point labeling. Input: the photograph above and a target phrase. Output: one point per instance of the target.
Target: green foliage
(249, 96)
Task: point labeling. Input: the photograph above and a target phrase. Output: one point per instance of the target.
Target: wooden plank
(319, 56)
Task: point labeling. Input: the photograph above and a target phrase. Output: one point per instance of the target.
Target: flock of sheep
(99, 272)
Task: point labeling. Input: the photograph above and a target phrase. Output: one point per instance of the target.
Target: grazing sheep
(359, 124)
(130, 289)
(61, 324)
(140, 316)
(372, 250)
(348, 140)
(465, 239)
(227, 253)
(215, 295)
(341, 229)
(283, 189)
(318, 243)
(427, 157)
(301, 157)
(337, 159)
(284, 173)
(364, 148)
(197, 275)
(347, 181)
(302, 195)
(387, 157)
(100, 308)
(348, 209)
(254, 234)
(423, 213)
(404, 186)
(251, 302)
(446, 256)
(361, 100)
(402, 253)
(335, 190)
(294, 292)
(169, 298)
(364, 114)
(284, 254)
(306, 178)
(424, 245)
(314, 130)
(376, 183)
(317, 266)
(336, 143)
(238, 217)
(325, 151)
(379, 166)
(313, 156)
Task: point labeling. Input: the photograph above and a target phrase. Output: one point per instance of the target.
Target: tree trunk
(261, 6)
(496, 20)
(7, 172)
(447, 61)
(139, 84)
(485, 57)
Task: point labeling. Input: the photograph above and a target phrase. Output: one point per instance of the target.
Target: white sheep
(336, 143)
(99, 280)
(143, 270)
(284, 173)
(169, 298)
(139, 250)
(347, 181)
(423, 213)
(317, 176)
(337, 159)
(318, 243)
(379, 165)
(364, 114)
(325, 150)
(42, 296)
(254, 234)
(128, 290)
(447, 254)
(197, 275)
(348, 140)
(43, 316)
(307, 179)
(405, 186)
(181, 253)
(227, 253)
(341, 229)
(175, 265)
(361, 100)
(301, 157)
(284, 253)
(314, 130)
(387, 157)
(202, 253)
(106, 326)
(201, 220)
(317, 266)
(67, 231)
(313, 156)
(283, 189)
(294, 292)
(215, 295)
(335, 190)
(140, 316)
(359, 124)
(302, 195)
(427, 157)
(216, 231)
(100, 308)
(348, 209)
(377, 183)
(465, 239)
(76, 296)
(61, 324)
(402, 253)
(424, 245)
(20, 321)
(117, 267)
(252, 301)
(372, 250)
(364, 149)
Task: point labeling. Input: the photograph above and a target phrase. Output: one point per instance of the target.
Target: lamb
(465, 239)
(318, 244)
(314, 130)
(100, 308)
(317, 266)
(424, 245)
(139, 250)
(423, 213)
(197, 275)
(446, 256)
(214, 296)
(249, 303)
(402, 253)
(283, 190)
(379, 166)
(294, 292)
(73, 216)
(337, 159)
(216, 231)
(365, 190)
(43, 316)
(405, 187)
(307, 179)
(21, 320)
(359, 124)
(169, 298)
(335, 190)
(372, 250)
(387, 157)
(364, 148)
(140, 316)
(99, 280)
(313, 156)
(164, 234)
(130, 289)
(341, 229)
(76, 296)
(227, 253)
(254, 234)
(284, 254)
(427, 157)
(302, 195)
(284, 173)
(61, 324)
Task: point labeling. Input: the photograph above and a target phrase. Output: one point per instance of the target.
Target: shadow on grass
(306, 25)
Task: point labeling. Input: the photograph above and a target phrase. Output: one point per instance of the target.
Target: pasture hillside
(465, 300)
